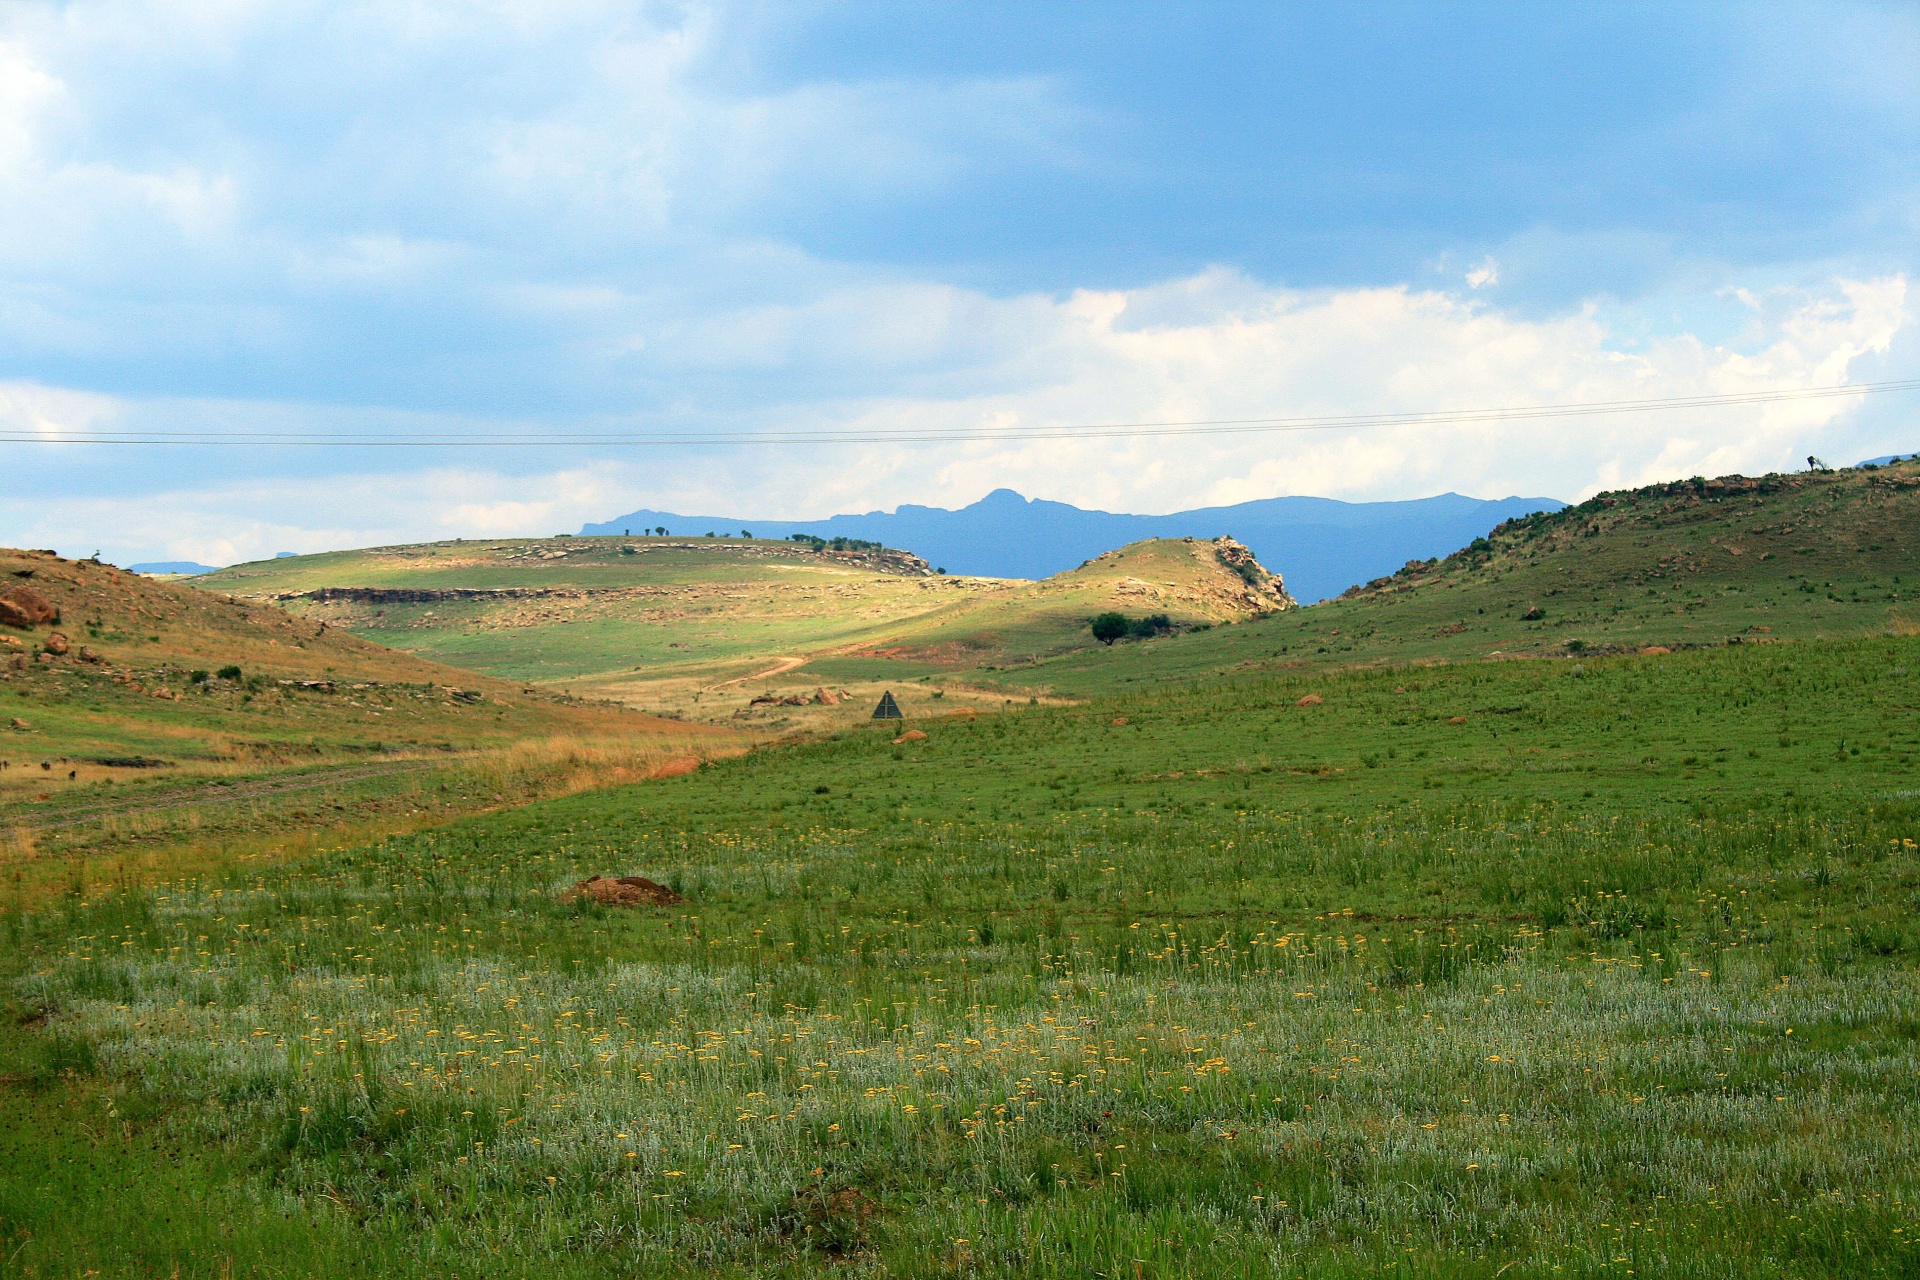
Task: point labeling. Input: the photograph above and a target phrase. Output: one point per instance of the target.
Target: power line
(529, 439)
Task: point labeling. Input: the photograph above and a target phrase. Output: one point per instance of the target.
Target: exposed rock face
(22, 606)
(1268, 592)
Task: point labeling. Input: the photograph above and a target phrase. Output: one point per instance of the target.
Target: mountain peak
(1320, 545)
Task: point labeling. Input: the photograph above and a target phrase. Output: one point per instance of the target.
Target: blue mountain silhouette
(171, 566)
(1320, 546)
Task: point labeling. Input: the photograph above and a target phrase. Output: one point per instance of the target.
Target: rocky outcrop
(22, 606)
(1268, 592)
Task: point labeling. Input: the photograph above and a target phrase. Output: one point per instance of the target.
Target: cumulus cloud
(1205, 348)
(474, 215)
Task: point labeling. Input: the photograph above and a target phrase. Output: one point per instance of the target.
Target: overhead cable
(538, 438)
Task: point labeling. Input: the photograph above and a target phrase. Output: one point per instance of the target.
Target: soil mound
(911, 735)
(626, 891)
(1311, 700)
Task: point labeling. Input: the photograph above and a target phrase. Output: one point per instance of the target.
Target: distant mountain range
(1320, 546)
(171, 566)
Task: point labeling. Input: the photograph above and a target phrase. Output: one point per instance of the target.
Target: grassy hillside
(1522, 969)
(1683, 565)
(704, 626)
(152, 711)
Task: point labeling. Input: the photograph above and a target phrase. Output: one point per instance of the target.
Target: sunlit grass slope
(1681, 565)
(671, 623)
(561, 608)
(1529, 969)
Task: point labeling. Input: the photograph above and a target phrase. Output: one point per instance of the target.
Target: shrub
(1148, 627)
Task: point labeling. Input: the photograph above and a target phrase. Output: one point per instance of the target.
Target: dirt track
(779, 668)
(193, 794)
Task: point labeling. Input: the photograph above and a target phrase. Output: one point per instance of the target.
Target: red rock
(57, 644)
(30, 604)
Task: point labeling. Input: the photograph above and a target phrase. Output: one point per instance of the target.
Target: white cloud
(453, 212)
(1210, 347)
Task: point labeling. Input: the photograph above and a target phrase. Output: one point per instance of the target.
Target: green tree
(1109, 627)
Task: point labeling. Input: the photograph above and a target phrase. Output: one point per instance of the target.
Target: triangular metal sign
(888, 708)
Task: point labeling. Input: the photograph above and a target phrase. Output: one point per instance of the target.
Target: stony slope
(115, 666)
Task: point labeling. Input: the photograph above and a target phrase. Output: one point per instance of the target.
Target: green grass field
(1568, 968)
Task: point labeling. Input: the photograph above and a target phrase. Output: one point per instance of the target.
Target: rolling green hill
(706, 625)
(1689, 564)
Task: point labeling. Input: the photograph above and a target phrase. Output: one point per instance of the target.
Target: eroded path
(779, 668)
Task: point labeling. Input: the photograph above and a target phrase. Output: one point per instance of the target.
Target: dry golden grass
(141, 847)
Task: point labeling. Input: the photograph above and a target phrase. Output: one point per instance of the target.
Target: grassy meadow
(698, 628)
(1553, 968)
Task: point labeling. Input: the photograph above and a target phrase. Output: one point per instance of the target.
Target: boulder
(88, 655)
(57, 644)
(23, 602)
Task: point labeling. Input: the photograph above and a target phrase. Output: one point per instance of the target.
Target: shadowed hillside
(135, 711)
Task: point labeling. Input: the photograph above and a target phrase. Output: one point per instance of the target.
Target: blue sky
(710, 217)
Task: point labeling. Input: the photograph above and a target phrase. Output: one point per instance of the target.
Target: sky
(380, 220)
